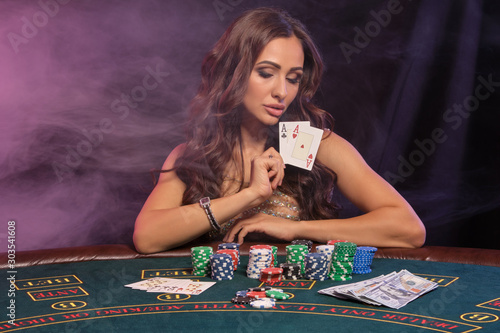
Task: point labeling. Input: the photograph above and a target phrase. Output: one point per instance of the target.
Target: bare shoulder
(169, 189)
(337, 153)
(173, 156)
(170, 161)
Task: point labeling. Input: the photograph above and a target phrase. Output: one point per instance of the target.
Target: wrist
(205, 204)
(251, 197)
(297, 229)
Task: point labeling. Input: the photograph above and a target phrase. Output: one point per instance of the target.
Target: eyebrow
(278, 66)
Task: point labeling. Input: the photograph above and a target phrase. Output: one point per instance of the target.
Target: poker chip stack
(342, 261)
(316, 266)
(328, 250)
(306, 242)
(296, 254)
(200, 259)
(221, 266)
(363, 259)
(234, 256)
(290, 271)
(230, 246)
(258, 259)
(274, 250)
(275, 255)
(271, 274)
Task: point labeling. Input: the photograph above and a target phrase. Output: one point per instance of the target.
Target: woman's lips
(275, 109)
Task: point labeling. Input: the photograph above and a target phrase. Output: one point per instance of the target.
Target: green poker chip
(276, 294)
(341, 278)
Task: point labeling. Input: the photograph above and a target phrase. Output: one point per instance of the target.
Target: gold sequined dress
(278, 204)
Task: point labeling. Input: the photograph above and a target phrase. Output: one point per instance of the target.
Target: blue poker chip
(362, 269)
(221, 267)
(363, 260)
(363, 256)
(242, 293)
(235, 246)
(367, 248)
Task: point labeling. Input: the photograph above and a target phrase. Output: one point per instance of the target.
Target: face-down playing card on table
(299, 143)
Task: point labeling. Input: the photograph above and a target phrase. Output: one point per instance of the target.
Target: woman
(266, 69)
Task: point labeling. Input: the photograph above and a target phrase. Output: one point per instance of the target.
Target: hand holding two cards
(299, 143)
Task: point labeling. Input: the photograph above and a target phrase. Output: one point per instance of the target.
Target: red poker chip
(271, 274)
(332, 242)
(258, 247)
(272, 270)
(270, 279)
(256, 294)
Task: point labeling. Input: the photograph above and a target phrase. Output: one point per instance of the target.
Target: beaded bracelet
(205, 204)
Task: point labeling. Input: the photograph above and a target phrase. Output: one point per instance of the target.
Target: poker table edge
(472, 256)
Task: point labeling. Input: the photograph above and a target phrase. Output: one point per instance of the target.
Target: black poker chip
(259, 289)
(241, 300)
(291, 271)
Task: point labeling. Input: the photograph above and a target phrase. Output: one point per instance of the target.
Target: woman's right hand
(267, 174)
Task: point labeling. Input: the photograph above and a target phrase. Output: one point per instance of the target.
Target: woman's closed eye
(264, 74)
(295, 79)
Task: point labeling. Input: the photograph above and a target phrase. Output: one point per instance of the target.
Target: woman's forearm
(383, 227)
(163, 229)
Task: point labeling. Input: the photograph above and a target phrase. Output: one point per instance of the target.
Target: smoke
(93, 96)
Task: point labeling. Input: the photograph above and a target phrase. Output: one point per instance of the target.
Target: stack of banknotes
(394, 290)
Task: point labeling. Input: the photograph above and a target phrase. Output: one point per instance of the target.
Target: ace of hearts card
(299, 143)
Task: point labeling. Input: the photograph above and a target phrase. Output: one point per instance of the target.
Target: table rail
(486, 257)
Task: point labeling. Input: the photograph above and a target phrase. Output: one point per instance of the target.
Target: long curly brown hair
(213, 131)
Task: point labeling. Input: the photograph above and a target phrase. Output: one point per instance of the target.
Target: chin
(271, 120)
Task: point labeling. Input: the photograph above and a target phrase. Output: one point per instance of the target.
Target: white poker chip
(263, 303)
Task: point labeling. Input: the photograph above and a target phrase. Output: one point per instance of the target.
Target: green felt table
(91, 297)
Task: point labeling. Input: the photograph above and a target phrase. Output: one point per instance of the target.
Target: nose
(280, 91)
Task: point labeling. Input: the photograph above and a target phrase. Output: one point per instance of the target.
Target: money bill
(394, 290)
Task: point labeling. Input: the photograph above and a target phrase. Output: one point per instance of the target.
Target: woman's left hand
(270, 225)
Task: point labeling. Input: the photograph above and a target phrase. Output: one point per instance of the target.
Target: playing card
(172, 286)
(149, 283)
(196, 288)
(175, 286)
(286, 136)
(303, 146)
